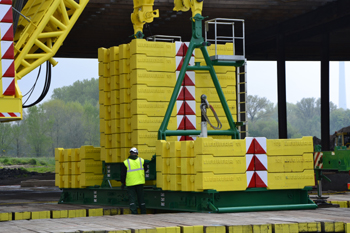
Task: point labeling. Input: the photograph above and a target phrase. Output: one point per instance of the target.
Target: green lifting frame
(197, 41)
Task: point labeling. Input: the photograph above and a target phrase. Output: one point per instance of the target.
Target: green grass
(37, 164)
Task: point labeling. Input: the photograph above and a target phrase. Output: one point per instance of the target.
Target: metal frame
(171, 39)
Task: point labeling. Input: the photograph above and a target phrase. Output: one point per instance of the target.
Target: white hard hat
(134, 150)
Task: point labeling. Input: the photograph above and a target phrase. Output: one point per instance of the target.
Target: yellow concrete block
(162, 148)
(297, 146)
(187, 166)
(57, 167)
(144, 137)
(40, 214)
(103, 55)
(168, 229)
(57, 180)
(116, 140)
(149, 63)
(212, 95)
(114, 68)
(175, 165)
(339, 227)
(90, 179)
(205, 80)
(192, 229)
(109, 141)
(115, 97)
(107, 98)
(67, 168)
(59, 156)
(124, 66)
(152, 79)
(144, 107)
(212, 119)
(218, 69)
(214, 229)
(101, 84)
(146, 152)
(108, 126)
(290, 163)
(265, 228)
(175, 182)
(286, 228)
(75, 182)
(217, 147)
(156, 94)
(76, 213)
(102, 111)
(5, 217)
(125, 96)
(116, 112)
(290, 180)
(59, 213)
(115, 82)
(125, 81)
(175, 149)
(103, 154)
(107, 86)
(187, 149)
(151, 48)
(220, 49)
(188, 182)
(310, 227)
(114, 53)
(126, 211)
(103, 139)
(222, 182)
(95, 212)
(218, 108)
(22, 215)
(220, 165)
(149, 123)
(240, 229)
(347, 227)
(125, 140)
(90, 152)
(75, 168)
(112, 211)
(91, 166)
(103, 69)
(159, 180)
(125, 125)
(67, 153)
(124, 51)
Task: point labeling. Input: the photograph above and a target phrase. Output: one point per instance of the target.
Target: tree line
(69, 120)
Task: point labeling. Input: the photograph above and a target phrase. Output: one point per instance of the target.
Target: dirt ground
(13, 176)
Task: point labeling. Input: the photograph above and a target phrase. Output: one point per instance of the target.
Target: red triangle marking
(10, 89)
(181, 95)
(188, 95)
(10, 72)
(188, 138)
(180, 65)
(188, 110)
(251, 148)
(258, 181)
(187, 81)
(258, 148)
(188, 123)
(180, 53)
(183, 138)
(8, 16)
(6, 2)
(182, 124)
(9, 34)
(182, 109)
(258, 165)
(251, 164)
(185, 49)
(252, 182)
(9, 54)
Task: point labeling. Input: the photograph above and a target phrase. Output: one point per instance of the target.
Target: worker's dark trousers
(136, 194)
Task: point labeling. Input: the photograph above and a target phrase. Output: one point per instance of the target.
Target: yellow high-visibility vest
(135, 173)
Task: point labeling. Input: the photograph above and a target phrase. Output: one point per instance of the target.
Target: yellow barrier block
(90, 152)
(116, 140)
(168, 229)
(159, 180)
(290, 180)
(90, 179)
(125, 140)
(67, 154)
(151, 48)
(286, 228)
(212, 95)
(126, 211)
(108, 126)
(163, 64)
(91, 166)
(347, 227)
(222, 182)
(114, 68)
(150, 123)
(171, 165)
(156, 94)
(192, 229)
(57, 167)
(146, 152)
(310, 227)
(264, 228)
(109, 141)
(220, 49)
(102, 112)
(114, 53)
(57, 179)
(101, 83)
(112, 211)
(66, 167)
(95, 212)
(218, 69)
(240, 229)
(214, 229)
(103, 55)
(103, 139)
(5, 217)
(187, 149)
(219, 165)
(116, 112)
(75, 168)
(205, 80)
(115, 97)
(115, 82)
(144, 107)
(218, 147)
(124, 66)
(333, 226)
(289, 146)
(103, 69)
(125, 125)
(152, 79)
(40, 214)
(175, 149)
(124, 81)
(22, 215)
(103, 153)
(290, 163)
(107, 86)
(144, 137)
(187, 166)
(162, 148)
(218, 108)
(76, 213)
(59, 156)
(125, 96)
(124, 51)
(59, 213)
(75, 181)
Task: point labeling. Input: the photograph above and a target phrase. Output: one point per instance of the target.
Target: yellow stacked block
(297, 146)
(152, 78)
(290, 163)
(216, 147)
(291, 180)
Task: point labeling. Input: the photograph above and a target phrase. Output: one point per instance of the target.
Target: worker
(133, 177)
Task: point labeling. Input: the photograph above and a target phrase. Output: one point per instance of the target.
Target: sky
(302, 79)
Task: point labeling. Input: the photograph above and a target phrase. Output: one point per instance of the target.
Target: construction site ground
(30, 203)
